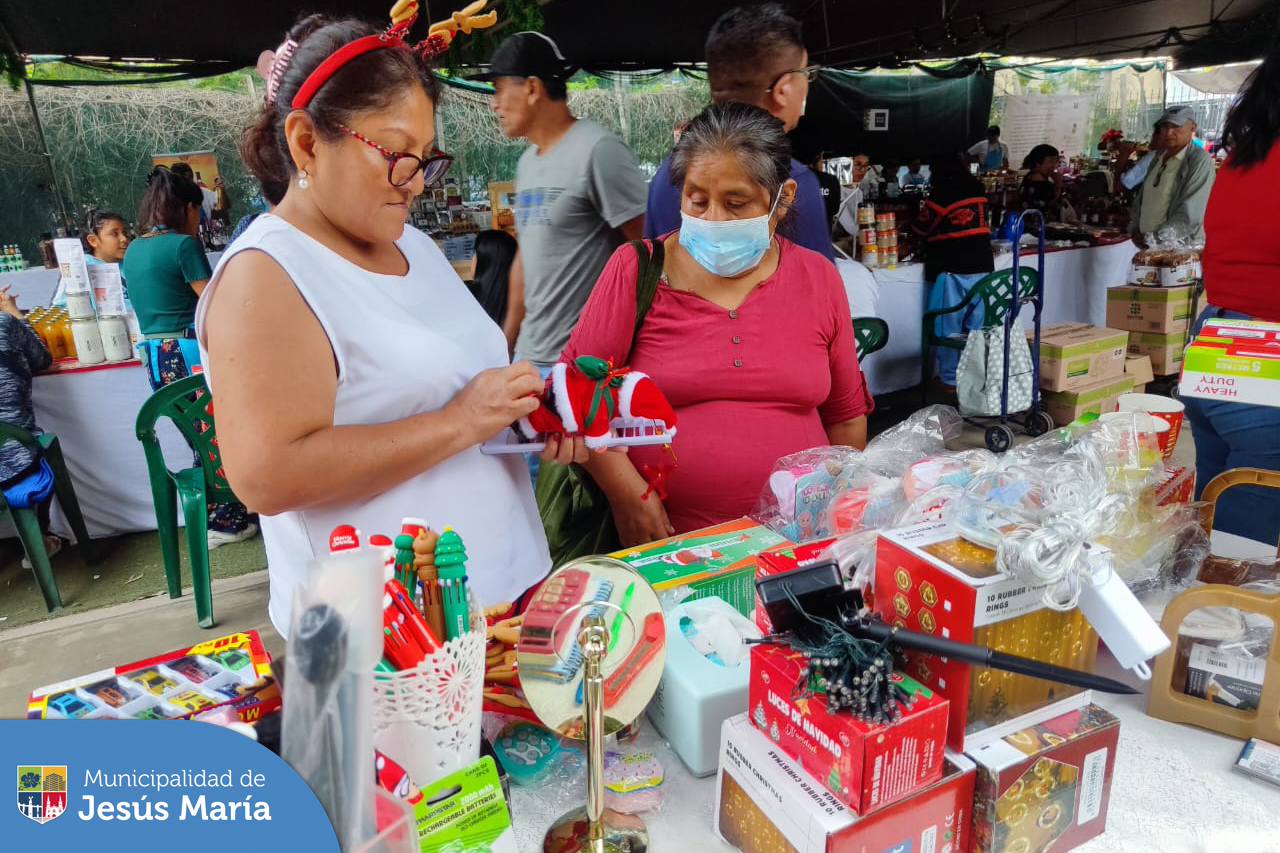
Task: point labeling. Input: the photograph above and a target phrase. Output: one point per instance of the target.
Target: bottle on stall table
(57, 335)
(116, 345)
(88, 340)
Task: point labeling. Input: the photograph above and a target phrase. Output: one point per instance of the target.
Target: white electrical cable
(1053, 551)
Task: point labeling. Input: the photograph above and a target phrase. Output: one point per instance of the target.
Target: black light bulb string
(855, 673)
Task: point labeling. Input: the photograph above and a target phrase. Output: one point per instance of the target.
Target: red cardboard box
(1241, 330)
(175, 685)
(930, 579)
(1046, 787)
(866, 766)
(767, 804)
(784, 558)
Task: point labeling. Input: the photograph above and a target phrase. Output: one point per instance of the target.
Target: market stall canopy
(664, 33)
(1223, 80)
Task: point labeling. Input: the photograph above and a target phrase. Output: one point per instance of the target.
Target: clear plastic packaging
(335, 640)
(836, 491)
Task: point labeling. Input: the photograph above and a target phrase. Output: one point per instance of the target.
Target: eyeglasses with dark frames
(404, 166)
(810, 73)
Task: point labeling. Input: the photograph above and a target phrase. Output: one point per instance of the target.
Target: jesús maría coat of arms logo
(42, 791)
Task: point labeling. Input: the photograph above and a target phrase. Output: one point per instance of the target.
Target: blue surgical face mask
(728, 248)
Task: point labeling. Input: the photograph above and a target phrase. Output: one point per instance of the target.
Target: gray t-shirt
(569, 201)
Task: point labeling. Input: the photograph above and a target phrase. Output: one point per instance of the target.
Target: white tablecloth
(93, 414)
(1076, 282)
(32, 287)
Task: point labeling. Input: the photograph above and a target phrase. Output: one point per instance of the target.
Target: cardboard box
(1139, 367)
(718, 560)
(1149, 309)
(1241, 330)
(1097, 398)
(930, 579)
(174, 685)
(1046, 787)
(1239, 372)
(765, 803)
(1077, 354)
(866, 766)
(784, 558)
(1165, 350)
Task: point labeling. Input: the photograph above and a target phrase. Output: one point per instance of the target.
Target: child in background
(106, 237)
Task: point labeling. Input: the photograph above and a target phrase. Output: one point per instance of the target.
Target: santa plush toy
(584, 398)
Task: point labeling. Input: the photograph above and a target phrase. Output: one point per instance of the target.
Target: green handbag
(575, 510)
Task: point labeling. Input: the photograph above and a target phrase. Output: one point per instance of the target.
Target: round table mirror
(550, 655)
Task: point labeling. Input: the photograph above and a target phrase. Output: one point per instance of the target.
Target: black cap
(528, 54)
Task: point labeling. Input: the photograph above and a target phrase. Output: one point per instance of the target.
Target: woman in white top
(354, 373)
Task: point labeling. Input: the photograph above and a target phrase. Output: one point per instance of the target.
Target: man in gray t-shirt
(579, 195)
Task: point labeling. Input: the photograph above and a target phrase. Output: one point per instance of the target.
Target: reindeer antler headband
(403, 16)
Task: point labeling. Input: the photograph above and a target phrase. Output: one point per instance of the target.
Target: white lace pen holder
(428, 718)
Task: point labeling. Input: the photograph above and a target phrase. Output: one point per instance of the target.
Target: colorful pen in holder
(404, 559)
(428, 639)
(451, 564)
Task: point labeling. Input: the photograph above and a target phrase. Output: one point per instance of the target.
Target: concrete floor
(49, 652)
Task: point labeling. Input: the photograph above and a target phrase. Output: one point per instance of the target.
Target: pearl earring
(302, 179)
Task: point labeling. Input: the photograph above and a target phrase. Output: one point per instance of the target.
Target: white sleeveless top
(404, 345)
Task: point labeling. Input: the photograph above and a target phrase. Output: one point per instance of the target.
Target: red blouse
(748, 385)
(1242, 240)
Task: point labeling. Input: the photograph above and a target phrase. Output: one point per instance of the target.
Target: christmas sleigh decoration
(607, 407)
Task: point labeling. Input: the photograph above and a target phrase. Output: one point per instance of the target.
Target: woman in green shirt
(167, 270)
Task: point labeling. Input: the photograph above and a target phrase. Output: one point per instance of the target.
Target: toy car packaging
(231, 670)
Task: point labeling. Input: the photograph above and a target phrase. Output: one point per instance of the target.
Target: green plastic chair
(27, 522)
(195, 486)
(870, 334)
(994, 293)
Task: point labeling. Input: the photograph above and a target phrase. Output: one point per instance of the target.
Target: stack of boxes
(1234, 360)
(982, 760)
(1157, 320)
(1082, 369)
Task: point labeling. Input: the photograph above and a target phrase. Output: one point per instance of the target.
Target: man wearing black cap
(579, 192)
(1170, 202)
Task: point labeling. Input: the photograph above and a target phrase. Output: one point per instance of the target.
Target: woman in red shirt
(749, 335)
(1242, 281)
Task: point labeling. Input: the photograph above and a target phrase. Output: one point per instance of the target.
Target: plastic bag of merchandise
(1053, 497)
(796, 496)
(1164, 552)
(1171, 259)
(863, 500)
(927, 491)
(911, 455)
(925, 433)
